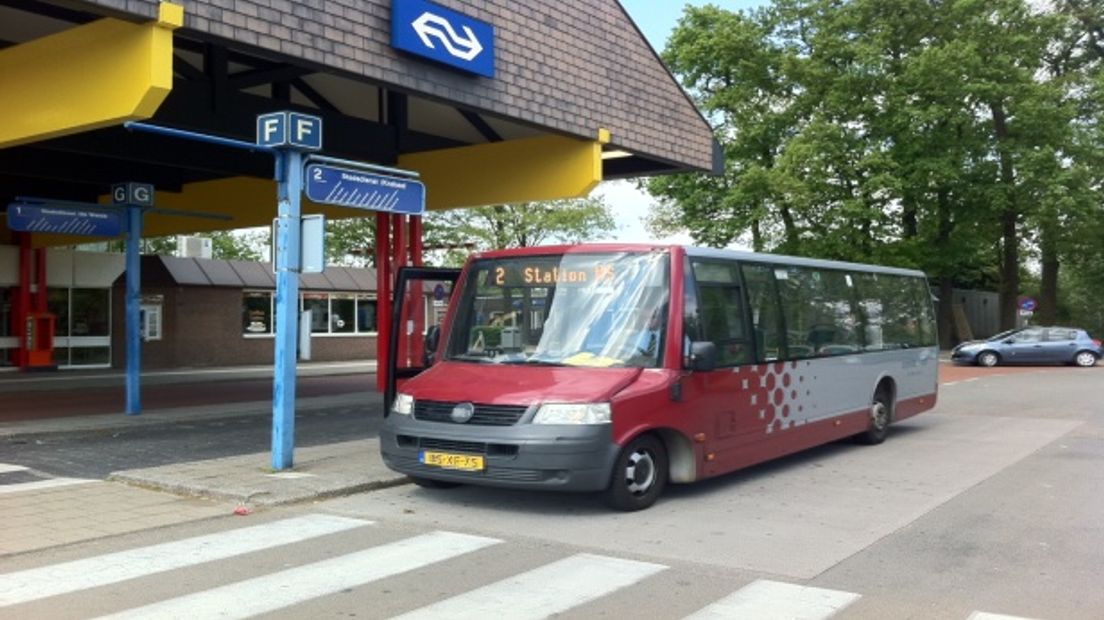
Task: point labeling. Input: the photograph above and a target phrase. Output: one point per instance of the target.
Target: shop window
(91, 312)
(342, 314)
(319, 306)
(57, 302)
(366, 315)
(257, 315)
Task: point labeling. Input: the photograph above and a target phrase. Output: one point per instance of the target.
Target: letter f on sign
(271, 126)
(303, 128)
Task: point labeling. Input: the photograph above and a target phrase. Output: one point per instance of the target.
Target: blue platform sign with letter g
(432, 31)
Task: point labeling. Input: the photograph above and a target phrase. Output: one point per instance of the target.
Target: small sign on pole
(312, 238)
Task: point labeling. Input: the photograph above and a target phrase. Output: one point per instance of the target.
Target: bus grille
(485, 415)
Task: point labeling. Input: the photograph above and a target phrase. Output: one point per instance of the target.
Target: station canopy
(577, 95)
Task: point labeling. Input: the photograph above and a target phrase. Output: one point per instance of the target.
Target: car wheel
(881, 414)
(430, 483)
(639, 475)
(1085, 359)
(988, 359)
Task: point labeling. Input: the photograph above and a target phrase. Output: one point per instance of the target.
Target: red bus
(622, 368)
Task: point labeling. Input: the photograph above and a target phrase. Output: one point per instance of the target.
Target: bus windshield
(597, 310)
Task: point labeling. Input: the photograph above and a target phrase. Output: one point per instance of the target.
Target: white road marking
(982, 615)
(773, 600)
(285, 588)
(38, 583)
(5, 468)
(542, 592)
(38, 485)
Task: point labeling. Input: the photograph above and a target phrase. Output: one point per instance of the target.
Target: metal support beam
(289, 178)
(133, 310)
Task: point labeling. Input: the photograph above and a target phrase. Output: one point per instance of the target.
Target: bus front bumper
(524, 456)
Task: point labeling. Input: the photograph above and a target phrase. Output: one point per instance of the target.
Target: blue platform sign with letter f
(432, 31)
(292, 129)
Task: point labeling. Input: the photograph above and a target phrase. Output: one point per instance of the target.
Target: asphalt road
(989, 504)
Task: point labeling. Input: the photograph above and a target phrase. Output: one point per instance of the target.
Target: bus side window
(766, 316)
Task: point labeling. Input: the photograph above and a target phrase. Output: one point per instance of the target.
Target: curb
(255, 499)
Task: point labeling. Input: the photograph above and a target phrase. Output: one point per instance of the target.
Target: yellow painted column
(91, 76)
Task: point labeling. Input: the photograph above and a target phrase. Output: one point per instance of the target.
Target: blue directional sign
(347, 187)
(432, 31)
(291, 129)
(1028, 304)
(40, 219)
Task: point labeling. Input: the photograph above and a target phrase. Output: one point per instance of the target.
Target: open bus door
(421, 299)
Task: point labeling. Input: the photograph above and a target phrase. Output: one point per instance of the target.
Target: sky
(656, 19)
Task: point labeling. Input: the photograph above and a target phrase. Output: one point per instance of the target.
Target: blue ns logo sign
(443, 35)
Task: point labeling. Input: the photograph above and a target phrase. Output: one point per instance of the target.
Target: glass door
(82, 335)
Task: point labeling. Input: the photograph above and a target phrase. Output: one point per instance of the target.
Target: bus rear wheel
(881, 414)
(639, 475)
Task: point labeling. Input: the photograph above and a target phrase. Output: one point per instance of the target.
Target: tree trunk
(1010, 243)
(756, 236)
(1048, 302)
(909, 224)
(945, 320)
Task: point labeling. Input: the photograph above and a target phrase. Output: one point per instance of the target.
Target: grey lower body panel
(563, 458)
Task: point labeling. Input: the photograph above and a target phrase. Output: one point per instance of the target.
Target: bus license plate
(465, 462)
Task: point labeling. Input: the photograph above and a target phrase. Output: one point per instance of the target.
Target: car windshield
(599, 310)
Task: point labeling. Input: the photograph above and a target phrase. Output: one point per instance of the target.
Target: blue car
(1031, 345)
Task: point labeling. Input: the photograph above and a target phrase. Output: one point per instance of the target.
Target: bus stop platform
(36, 407)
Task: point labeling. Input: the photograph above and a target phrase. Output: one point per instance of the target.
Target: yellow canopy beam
(91, 76)
(542, 168)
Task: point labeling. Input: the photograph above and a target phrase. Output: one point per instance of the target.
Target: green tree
(459, 231)
(911, 132)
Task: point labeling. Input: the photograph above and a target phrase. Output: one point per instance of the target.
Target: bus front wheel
(639, 475)
(881, 413)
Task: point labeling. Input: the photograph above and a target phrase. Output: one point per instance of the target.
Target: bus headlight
(404, 404)
(564, 413)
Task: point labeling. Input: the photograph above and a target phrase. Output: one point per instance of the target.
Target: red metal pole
(383, 296)
(416, 241)
(40, 280)
(23, 300)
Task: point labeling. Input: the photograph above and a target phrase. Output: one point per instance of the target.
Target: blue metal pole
(289, 177)
(133, 311)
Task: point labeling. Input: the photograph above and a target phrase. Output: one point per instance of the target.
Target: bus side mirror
(703, 356)
(432, 339)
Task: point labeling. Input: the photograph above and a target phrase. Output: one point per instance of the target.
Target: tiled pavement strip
(36, 517)
(139, 499)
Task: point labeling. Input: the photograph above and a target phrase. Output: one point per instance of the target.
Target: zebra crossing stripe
(289, 587)
(5, 468)
(770, 600)
(542, 592)
(38, 485)
(38, 583)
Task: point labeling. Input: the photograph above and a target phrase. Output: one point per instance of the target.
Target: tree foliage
(957, 136)
(449, 236)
